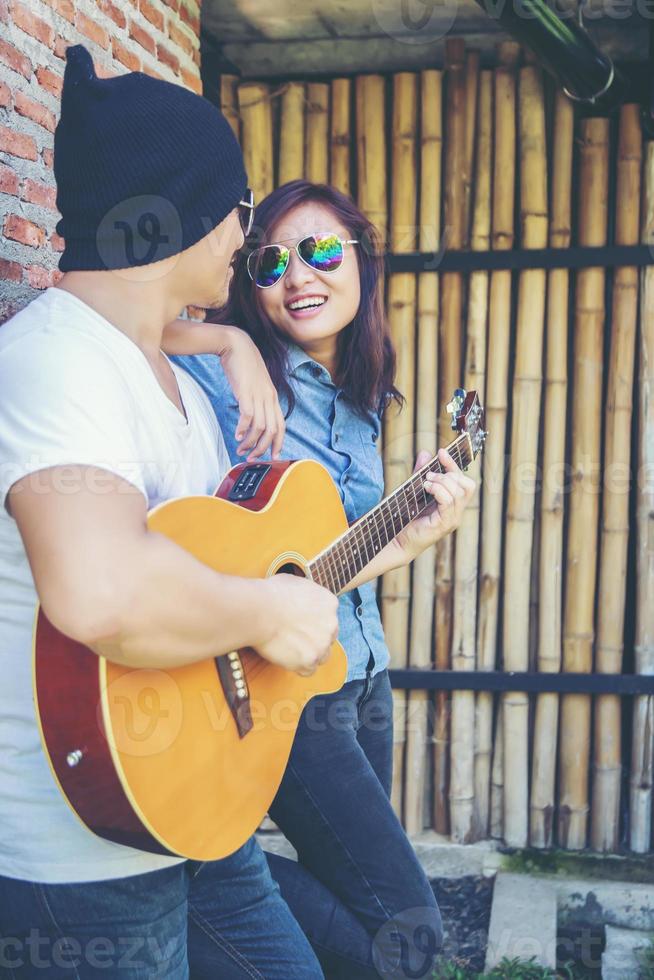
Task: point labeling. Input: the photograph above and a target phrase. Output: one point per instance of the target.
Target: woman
(309, 298)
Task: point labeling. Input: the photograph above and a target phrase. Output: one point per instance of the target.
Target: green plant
(520, 970)
(507, 969)
(575, 971)
(646, 962)
(453, 970)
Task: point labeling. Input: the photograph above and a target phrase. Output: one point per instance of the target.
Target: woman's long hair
(365, 356)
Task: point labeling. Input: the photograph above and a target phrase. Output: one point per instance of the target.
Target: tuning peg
(455, 406)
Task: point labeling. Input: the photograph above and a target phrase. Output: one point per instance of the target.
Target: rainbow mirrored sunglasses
(321, 252)
(246, 212)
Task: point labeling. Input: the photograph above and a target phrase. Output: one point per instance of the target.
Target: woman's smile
(303, 306)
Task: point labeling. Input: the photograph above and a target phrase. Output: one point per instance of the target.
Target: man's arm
(139, 599)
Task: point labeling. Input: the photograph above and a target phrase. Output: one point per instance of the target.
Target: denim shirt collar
(298, 358)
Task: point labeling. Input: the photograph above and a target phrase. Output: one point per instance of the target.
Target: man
(96, 427)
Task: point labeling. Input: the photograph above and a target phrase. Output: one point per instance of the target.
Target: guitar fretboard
(342, 561)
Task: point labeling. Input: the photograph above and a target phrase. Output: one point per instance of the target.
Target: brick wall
(160, 37)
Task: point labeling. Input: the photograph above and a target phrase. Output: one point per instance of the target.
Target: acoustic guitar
(186, 761)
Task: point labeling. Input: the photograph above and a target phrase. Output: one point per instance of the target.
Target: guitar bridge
(235, 687)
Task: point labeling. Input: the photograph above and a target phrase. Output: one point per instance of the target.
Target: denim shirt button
(336, 437)
(360, 611)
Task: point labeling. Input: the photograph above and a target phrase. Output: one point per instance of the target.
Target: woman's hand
(452, 492)
(261, 423)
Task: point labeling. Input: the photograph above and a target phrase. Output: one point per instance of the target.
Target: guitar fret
(391, 511)
(361, 533)
(381, 541)
(341, 567)
(328, 576)
(416, 506)
(367, 530)
(357, 557)
(349, 559)
(333, 588)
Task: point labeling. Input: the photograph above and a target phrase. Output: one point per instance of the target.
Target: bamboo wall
(553, 566)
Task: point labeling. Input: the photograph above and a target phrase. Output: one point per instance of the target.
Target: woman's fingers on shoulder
(246, 412)
(280, 431)
(252, 434)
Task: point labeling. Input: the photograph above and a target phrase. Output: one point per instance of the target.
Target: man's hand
(303, 623)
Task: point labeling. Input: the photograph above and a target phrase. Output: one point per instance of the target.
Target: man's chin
(221, 296)
(212, 303)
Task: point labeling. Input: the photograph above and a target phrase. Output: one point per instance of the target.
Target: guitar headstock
(468, 417)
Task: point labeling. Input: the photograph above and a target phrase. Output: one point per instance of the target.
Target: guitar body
(153, 758)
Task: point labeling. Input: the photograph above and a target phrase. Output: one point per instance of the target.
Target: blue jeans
(357, 890)
(224, 919)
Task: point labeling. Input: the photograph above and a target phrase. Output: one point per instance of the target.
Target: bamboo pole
(521, 489)
(316, 166)
(255, 110)
(464, 640)
(584, 496)
(642, 751)
(371, 190)
(291, 137)
(472, 93)
(497, 372)
(229, 102)
(399, 427)
(615, 504)
(496, 816)
(339, 135)
(550, 580)
(422, 603)
(371, 150)
(449, 378)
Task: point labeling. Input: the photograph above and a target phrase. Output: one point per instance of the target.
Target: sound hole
(290, 569)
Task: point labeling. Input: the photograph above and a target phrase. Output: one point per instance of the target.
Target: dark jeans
(226, 919)
(358, 891)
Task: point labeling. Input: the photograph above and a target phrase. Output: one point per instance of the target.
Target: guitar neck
(338, 564)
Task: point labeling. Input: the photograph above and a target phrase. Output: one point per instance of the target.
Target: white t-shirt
(75, 390)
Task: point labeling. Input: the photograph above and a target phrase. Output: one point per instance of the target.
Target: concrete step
(523, 920)
(621, 959)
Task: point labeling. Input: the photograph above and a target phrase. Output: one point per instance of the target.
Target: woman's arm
(183, 337)
(261, 423)
(452, 491)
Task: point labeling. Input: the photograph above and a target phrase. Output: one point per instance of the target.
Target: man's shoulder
(49, 361)
(25, 325)
(49, 336)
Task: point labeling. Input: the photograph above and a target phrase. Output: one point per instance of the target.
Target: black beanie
(144, 168)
